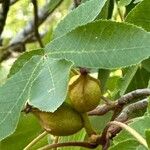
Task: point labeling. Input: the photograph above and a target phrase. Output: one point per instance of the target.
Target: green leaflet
(140, 80)
(128, 145)
(30, 79)
(139, 124)
(124, 2)
(140, 15)
(146, 64)
(127, 79)
(85, 13)
(25, 57)
(147, 134)
(102, 44)
(49, 88)
(28, 128)
(13, 95)
(127, 2)
(127, 140)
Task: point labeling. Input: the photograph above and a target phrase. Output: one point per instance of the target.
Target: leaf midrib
(95, 51)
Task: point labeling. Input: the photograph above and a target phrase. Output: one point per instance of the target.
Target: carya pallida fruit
(64, 121)
(84, 92)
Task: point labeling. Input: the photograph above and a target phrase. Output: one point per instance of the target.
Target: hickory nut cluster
(83, 95)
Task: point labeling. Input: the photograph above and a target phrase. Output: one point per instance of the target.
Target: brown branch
(127, 98)
(111, 130)
(27, 34)
(77, 3)
(43, 13)
(121, 102)
(126, 113)
(102, 110)
(34, 2)
(3, 15)
(81, 144)
(13, 2)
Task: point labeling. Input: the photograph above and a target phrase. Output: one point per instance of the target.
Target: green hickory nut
(84, 92)
(63, 122)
